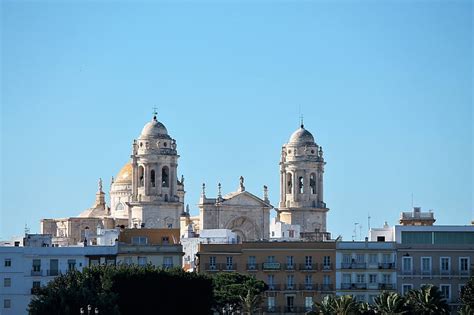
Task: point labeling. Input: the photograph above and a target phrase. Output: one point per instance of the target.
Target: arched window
(289, 183)
(119, 207)
(300, 184)
(165, 182)
(312, 183)
(140, 176)
(152, 178)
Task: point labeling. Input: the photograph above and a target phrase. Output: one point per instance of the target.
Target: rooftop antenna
(368, 223)
(27, 229)
(412, 200)
(354, 236)
(360, 231)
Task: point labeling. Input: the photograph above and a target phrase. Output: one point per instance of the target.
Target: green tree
(427, 300)
(467, 294)
(389, 303)
(234, 291)
(126, 290)
(340, 305)
(325, 307)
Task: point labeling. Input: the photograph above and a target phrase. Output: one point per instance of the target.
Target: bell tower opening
(165, 176)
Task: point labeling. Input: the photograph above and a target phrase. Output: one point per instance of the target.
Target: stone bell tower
(301, 183)
(157, 195)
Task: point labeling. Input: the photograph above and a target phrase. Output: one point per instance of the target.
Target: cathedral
(147, 193)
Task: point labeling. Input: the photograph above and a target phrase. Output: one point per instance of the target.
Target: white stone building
(301, 183)
(23, 269)
(284, 232)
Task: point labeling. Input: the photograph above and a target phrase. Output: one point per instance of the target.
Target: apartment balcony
(36, 273)
(272, 309)
(308, 286)
(252, 267)
(387, 265)
(274, 287)
(289, 267)
(386, 286)
(353, 265)
(271, 266)
(327, 267)
(326, 287)
(290, 287)
(52, 273)
(308, 267)
(220, 267)
(354, 286)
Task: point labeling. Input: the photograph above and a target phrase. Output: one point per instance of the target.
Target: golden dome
(125, 175)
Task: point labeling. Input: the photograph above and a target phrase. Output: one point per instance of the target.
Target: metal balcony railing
(327, 266)
(353, 286)
(252, 267)
(290, 287)
(36, 272)
(271, 266)
(272, 309)
(308, 286)
(53, 272)
(353, 265)
(390, 265)
(308, 267)
(289, 266)
(386, 286)
(35, 290)
(326, 287)
(274, 287)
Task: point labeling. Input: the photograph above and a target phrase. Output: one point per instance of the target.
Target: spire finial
(203, 193)
(100, 185)
(219, 191)
(155, 112)
(301, 121)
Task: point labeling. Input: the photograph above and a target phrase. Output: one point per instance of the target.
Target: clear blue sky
(385, 87)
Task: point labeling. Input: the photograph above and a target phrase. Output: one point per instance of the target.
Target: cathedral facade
(146, 193)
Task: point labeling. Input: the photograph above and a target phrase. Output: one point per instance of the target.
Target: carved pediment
(244, 199)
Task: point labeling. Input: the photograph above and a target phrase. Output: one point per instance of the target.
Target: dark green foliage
(467, 295)
(126, 290)
(234, 291)
(389, 303)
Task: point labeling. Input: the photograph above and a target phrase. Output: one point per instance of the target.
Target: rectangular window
(426, 265)
(326, 262)
(139, 240)
(308, 260)
(326, 279)
(308, 280)
(386, 258)
(386, 278)
(346, 278)
(406, 288)
(94, 262)
(8, 262)
(373, 259)
(271, 302)
(445, 263)
(290, 280)
(360, 278)
(446, 291)
(71, 264)
(7, 282)
(291, 233)
(212, 261)
(308, 303)
(142, 261)
(7, 303)
(36, 265)
(168, 262)
(373, 278)
(271, 259)
(53, 267)
(271, 280)
(464, 265)
(252, 261)
(406, 264)
(36, 284)
(346, 258)
(290, 261)
(229, 262)
(290, 301)
(360, 258)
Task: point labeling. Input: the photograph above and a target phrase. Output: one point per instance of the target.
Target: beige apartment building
(297, 273)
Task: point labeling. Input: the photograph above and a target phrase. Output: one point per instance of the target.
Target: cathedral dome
(301, 136)
(154, 129)
(125, 175)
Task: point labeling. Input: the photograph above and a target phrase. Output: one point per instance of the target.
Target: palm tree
(325, 307)
(345, 305)
(389, 303)
(427, 300)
